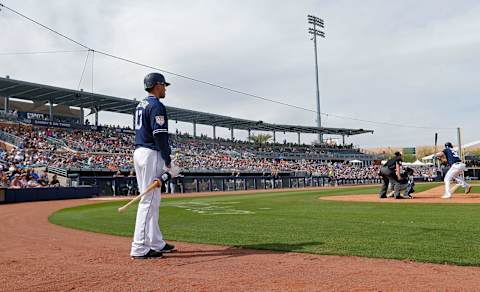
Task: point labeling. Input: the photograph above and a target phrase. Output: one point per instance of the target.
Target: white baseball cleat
(446, 196)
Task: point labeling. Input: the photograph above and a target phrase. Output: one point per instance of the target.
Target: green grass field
(299, 221)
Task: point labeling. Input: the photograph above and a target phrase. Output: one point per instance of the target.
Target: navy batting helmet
(152, 79)
(448, 145)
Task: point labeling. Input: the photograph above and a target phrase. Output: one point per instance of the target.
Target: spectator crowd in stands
(18, 178)
(112, 149)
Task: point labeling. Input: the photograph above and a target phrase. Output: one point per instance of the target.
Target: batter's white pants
(454, 173)
(148, 166)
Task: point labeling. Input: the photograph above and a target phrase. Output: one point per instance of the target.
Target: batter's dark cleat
(399, 197)
(168, 248)
(383, 197)
(151, 254)
(468, 189)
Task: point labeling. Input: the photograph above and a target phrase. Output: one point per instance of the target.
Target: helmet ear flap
(448, 145)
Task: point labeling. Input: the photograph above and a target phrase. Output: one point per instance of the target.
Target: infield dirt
(431, 196)
(37, 255)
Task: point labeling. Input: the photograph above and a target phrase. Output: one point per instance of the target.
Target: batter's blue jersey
(151, 126)
(451, 155)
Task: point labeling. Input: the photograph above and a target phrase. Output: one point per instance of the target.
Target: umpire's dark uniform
(389, 175)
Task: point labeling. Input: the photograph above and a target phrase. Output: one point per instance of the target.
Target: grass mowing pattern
(299, 221)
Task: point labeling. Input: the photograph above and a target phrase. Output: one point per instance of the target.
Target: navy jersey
(151, 127)
(451, 155)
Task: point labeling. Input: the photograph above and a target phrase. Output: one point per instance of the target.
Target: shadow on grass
(298, 247)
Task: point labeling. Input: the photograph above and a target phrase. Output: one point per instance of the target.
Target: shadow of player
(240, 250)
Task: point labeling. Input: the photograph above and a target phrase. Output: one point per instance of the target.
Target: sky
(414, 63)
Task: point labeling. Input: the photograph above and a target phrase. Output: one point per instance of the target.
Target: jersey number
(138, 119)
(455, 154)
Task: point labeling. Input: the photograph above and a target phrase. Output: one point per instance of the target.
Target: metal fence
(115, 186)
(9, 138)
(108, 186)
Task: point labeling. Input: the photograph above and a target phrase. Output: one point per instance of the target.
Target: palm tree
(260, 138)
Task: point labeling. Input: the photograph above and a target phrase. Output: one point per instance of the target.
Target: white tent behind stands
(428, 158)
(418, 163)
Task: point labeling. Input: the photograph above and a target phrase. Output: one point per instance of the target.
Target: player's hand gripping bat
(164, 177)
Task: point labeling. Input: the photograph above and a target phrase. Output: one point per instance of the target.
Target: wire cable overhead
(231, 90)
(40, 52)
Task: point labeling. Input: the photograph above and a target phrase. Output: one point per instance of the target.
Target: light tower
(315, 31)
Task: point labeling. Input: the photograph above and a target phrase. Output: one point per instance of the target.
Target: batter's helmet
(448, 145)
(152, 79)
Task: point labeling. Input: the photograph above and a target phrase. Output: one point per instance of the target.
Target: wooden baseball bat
(155, 184)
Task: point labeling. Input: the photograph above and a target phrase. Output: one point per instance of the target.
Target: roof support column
(134, 115)
(274, 137)
(343, 140)
(231, 133)
(96, 116)
(6, 104)
(50, 109)
(214, 133)
(298, 138)
(194, 130)
(249, 134)
(81, 116)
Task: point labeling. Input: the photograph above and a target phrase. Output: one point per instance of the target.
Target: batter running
(457, 167)
(151, 156)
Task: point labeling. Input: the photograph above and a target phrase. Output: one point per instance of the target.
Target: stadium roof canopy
(41, 94)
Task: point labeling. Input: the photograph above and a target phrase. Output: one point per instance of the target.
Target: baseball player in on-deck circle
(457, 167)
(151, 158)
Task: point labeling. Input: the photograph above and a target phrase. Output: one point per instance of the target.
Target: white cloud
(402, 62)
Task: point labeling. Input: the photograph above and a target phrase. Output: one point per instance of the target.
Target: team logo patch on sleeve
(160, 120)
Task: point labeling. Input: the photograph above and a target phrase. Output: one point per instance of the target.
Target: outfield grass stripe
(299, 221)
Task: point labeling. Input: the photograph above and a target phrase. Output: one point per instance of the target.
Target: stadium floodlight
(315, 21)
(314, 31)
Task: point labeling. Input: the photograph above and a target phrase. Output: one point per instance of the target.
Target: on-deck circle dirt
(37, 255)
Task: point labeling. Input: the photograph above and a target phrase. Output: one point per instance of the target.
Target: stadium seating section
(108, 148)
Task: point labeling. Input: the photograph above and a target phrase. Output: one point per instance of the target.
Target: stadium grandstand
(42, 130)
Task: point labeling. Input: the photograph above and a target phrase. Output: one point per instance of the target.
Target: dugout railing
(115, 186)
(9, 138)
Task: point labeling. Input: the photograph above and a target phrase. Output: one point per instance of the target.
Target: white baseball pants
(454, 173)
(148, 166)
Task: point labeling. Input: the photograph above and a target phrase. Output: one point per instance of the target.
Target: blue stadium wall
(45, 194)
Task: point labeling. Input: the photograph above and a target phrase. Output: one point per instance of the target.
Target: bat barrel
(156, 183)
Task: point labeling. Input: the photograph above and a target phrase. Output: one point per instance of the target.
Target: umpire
(390, 173)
